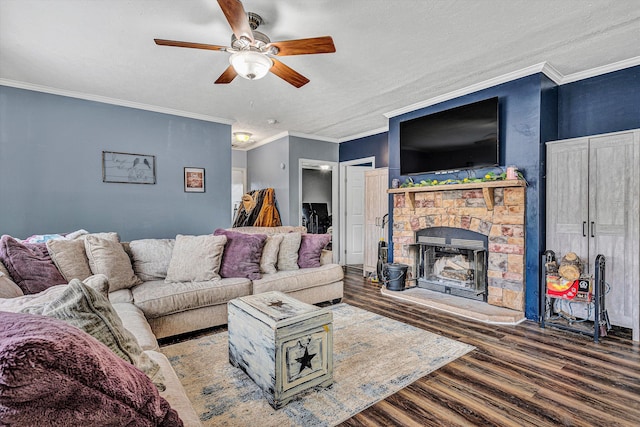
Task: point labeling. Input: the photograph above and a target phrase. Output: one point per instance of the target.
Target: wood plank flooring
(518, 376)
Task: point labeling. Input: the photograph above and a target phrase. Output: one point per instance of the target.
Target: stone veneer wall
(504, 226)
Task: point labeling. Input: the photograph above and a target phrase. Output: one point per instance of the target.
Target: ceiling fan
(252, 52)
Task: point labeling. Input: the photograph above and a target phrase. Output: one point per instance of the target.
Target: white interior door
(238, 184)
(354, 218)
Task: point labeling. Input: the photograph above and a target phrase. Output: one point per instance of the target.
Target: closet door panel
(613, 221)
(568, 197)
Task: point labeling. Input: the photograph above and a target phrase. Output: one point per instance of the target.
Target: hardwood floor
(518, 375)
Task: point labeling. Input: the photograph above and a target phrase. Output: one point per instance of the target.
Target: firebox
(453, 261)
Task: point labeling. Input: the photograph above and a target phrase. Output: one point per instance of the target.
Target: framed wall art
(128, 168)
(194, 180)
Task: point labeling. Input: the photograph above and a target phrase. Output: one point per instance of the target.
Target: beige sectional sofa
(156, 307)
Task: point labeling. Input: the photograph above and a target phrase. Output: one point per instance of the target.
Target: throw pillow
(70, 258)
(196, 258)
(151, 257)
(311, 247)
(288, 254)
(269, 258)
(89, 310)
(52, 372)
(29, 265)
(241, 257)
(109, 258)
(8, 289)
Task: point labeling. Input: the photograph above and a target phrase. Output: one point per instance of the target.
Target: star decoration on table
(276, 303)
(305, 360)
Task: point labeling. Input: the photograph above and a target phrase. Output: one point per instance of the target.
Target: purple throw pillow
(311, 248)
(30, 265)
(50, 370)
(242, 253)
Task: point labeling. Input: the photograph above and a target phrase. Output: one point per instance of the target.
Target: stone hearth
(495, 209)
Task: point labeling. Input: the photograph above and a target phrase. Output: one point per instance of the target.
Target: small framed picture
(194, 180)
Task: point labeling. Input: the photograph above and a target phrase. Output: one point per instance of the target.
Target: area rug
(374, 357)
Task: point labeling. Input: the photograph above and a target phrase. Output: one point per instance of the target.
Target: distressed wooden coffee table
(284, 345)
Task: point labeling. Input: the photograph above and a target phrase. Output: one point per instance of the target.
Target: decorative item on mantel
(487, 183)
(512, 173)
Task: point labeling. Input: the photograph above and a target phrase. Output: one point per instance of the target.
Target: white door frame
(335, 226)
(343, 202)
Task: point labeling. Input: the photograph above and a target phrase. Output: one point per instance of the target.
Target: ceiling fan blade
(288, 74)
(304, 46)
(176, 43)
(228, 76)
(237, 18)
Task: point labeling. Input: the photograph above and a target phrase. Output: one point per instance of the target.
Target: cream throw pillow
(151, 257)
(8, 288)
(109, 258)
(196, 258)
(270, 252)
(70, 258)
(288, 254)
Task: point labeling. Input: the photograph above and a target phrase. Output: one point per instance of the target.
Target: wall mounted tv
(464, 137)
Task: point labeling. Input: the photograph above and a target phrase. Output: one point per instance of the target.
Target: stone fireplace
(494, 211)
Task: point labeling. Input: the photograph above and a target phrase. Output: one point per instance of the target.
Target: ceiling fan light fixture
(242, 136)
(250, 64)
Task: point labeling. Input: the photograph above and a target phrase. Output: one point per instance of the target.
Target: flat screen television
(464, 137)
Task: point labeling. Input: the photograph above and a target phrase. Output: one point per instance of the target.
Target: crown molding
(537, 68)
(543, 67)
(113, 101)
(609, 68)
(316, 137)
(365, 134)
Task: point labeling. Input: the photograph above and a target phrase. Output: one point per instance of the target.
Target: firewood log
(570, 267)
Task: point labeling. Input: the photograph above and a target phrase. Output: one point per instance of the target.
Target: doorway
(352, 210)
(318, 199)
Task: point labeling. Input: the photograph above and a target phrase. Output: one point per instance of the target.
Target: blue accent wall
(601, 104)
(51, 169)
(521, 144)
(369, 146)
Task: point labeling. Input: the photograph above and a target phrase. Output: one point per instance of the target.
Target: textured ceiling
(390, 54)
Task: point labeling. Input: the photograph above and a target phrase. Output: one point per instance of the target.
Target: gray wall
(51, 171)
(239, 159)
(263, 171)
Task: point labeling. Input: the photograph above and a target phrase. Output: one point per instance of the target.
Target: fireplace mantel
(487, 190)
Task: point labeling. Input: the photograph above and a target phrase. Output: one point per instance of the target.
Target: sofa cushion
(311, 247)
(121, 295)
(70, 257)
(196, 258)
(242, 252)
(151, 257)
(159, 298)
(288, 253)
(289, 281)
(51, 371)
(29, 265)
(269, 258)
(109, 258)
(134, 321)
